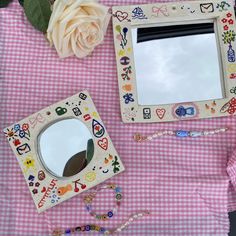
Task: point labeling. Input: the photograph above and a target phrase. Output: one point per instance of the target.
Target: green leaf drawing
(116, 165)
(38, 13)
(229, 36)
(4, 3)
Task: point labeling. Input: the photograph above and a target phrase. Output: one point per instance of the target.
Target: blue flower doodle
(17, 127)
(128, 98)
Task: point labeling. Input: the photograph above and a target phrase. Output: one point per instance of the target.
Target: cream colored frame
(43, 185)
(126, 17)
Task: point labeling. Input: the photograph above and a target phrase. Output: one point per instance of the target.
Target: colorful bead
(110, 214)
(182, 133)
(104, 217)
(118, 196)
(68, 231)
(78, 229)
(102, 230)
(118, 190)
(87, 227)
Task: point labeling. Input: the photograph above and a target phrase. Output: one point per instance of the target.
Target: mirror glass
(173, 67)
(66, 147)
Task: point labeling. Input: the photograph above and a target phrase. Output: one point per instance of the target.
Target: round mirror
(66, 147)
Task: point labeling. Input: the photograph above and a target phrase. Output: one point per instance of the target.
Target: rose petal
(77, 26)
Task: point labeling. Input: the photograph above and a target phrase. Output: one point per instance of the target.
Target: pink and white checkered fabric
(188, 185)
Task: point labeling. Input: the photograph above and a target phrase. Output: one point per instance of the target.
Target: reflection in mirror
(66, 147)
(181, 68)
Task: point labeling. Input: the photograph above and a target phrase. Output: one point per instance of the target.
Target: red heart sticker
(103, 143)
(161, 113)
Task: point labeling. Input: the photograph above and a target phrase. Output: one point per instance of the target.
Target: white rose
(77, 26)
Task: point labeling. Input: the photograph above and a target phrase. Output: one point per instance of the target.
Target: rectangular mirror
(165, 68)
(175, 60)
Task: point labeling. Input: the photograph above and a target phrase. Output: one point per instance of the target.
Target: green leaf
(4, 3)
(38, 13)
(21, 2)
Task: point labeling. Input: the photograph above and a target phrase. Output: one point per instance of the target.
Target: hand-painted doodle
(138, 13)
(122, 36)
(127, 72)
(34, 120)
(185, 111)
(129, 113)
(23, 149)
(162, 10)
(41, 175)
(77, 111)
(87, 117)
(76, 183)
(207, 7)
(82, 96)
(229, 107)
(98, 129)
(160, 113)
(116, 165)
(146, 113)
(61, 111)
(125, 61)
(103, 143)
(121, 16)
(223, 6)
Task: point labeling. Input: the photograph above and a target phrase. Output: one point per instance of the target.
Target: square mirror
(175, 61)
(63, 150)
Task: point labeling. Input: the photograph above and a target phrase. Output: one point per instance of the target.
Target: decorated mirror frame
(43, 185)
(174, 13)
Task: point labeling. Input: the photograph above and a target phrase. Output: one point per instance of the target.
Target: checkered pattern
(187, 184)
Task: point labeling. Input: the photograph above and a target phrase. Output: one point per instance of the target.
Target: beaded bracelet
(178, 134)
(89, 199)
(97, 228)
(92, 227)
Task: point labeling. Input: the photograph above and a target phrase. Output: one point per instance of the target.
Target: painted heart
(43, 190)
(103, 143)
(161, 113)
(121, 16)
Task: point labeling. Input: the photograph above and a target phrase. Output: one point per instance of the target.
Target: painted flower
(25, 127)
(231, 21)
(22, 133)
(77, 27)
(224, 20)
(226, 27)
(229, 15)
(17, 127)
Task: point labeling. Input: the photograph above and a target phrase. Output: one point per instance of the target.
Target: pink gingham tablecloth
(188, 185)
